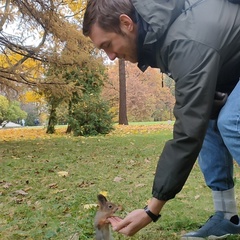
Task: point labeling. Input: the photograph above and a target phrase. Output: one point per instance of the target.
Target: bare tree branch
(5, 14)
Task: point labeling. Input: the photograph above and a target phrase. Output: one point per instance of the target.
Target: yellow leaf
(62, 174)
(197, 197)
(90, 206)
(104, 193)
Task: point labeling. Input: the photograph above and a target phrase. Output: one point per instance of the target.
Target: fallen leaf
(43, 224)
(197, 197)
(7, 185)
(59, 191)
(62, 174)
(75, 236)
(53, 185)
(117, 179)
(21, 192)
(146, 160)
(90, 206)
(28, 189)
(104, 193)
(66, 210)
(19, 201)
(85, 184)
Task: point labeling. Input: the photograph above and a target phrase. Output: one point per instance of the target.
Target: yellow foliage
(30, 67)
(30, 133)
(77, 7)
(104, 193)
(32, 97)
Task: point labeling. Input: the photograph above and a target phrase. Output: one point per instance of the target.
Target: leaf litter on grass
(121, 163)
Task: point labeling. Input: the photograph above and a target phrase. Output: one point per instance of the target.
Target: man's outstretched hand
(131, 224)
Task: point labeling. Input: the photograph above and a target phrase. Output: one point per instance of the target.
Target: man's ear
(126, 22)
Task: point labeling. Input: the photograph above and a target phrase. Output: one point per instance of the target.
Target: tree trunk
(69, 127)
(52, 120)
(122, 94)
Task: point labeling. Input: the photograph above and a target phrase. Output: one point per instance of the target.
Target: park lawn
(48, 183)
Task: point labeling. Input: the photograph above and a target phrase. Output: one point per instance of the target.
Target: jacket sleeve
(194, 68)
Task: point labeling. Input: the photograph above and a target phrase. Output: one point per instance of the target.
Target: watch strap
(151, 215)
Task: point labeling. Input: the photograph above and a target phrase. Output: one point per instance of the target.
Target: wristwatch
(151, 215)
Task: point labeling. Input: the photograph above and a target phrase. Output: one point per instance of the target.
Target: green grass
(54, 206)
(151, 123)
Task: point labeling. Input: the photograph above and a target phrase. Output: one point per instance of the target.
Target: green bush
(91, 117)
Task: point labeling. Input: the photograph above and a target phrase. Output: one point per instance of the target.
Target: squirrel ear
(102, 199)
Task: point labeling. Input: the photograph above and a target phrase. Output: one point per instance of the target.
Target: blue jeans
(222, 144)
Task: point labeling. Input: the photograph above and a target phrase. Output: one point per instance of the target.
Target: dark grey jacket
(198, 43)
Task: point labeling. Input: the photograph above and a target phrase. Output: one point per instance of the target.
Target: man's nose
(111, 55)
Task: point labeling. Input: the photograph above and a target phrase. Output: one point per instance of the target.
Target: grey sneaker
(215, 228)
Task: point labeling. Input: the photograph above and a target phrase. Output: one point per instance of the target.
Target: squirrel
(106, 209)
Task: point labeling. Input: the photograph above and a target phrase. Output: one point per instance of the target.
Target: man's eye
(107, 45)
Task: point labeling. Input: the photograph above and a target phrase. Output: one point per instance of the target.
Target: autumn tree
(88, 113)
(35, 105)
(81, 80)
(110, 90)
(4, 104)
(147, 98)
(33, 35)
(45, 46)
(15, 113)
(10, 110)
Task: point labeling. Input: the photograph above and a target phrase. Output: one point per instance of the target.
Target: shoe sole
(207, 238)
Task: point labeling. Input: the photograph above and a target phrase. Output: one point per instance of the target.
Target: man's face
(123, 46)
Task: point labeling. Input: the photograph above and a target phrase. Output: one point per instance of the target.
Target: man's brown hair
(106, 14)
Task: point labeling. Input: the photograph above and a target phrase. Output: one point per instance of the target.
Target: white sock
(225, 201)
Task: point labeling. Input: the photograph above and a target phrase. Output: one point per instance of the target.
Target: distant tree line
(149, 95)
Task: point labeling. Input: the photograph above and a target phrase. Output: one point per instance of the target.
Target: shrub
(91, 116)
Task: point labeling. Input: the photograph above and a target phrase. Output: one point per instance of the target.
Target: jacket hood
(159, 14)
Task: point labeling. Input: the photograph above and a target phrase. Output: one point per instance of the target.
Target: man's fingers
(128, 229)
(114, 220)
(131, 224)
(118, 223)
(117, 219)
